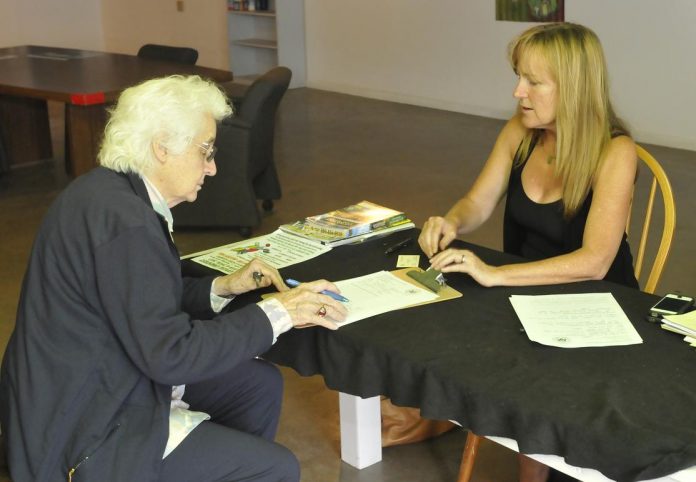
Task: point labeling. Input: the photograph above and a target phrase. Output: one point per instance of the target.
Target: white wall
(450, 57)
(454, 57)
(9, 26)
(128, 24)
(63, 23)
(118, 25)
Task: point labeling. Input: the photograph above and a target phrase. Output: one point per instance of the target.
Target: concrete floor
(333, 150)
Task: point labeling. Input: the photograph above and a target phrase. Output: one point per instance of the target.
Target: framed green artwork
(530, 10)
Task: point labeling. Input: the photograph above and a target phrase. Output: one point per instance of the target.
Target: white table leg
(361, 430)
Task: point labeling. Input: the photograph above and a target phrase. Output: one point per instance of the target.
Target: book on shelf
(353, 220)
(298, 228)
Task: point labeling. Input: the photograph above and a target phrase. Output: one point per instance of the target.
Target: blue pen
(336, 296)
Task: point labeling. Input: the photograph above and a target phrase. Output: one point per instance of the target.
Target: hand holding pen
(313, 304)
(254, 275)
(294, 283)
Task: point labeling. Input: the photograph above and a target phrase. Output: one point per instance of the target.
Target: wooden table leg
(25, 129)
(84, 128)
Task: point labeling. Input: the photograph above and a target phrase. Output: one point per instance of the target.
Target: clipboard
(445, 293)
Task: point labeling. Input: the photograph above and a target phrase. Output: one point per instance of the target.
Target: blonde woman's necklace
(550, 156)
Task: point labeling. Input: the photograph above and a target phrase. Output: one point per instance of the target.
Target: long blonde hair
(585, 119)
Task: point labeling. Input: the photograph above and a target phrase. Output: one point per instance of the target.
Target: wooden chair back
(659, 181)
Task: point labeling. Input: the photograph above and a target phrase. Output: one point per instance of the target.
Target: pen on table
(336, 296)
(401, 244)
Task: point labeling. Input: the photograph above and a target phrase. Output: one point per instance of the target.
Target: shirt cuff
(217, 303)
(277, 315)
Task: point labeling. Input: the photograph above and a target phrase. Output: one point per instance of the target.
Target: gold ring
(322, 311)
(463, 258)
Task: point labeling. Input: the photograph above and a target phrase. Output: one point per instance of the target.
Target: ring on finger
(322, 311)
(463, 258)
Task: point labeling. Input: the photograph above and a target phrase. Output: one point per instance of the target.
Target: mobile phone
(671, 304)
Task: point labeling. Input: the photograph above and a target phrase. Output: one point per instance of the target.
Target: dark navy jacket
(104, 328)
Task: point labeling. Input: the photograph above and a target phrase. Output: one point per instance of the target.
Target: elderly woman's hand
(308, 306)
(437, 234)
(255, 274)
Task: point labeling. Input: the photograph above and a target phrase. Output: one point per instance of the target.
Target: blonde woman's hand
(437, 234)
(464, 261)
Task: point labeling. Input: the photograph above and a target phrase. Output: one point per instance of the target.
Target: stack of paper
(575, 320)
(380, 292)
(683, 325)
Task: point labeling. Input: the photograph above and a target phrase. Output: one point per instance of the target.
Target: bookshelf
(263, 39)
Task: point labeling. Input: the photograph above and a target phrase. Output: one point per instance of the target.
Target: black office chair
(245, 164)
(182, 55)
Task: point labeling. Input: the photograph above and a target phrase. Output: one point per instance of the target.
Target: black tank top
(538, 231)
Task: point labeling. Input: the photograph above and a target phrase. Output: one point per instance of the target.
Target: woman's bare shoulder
(620, 159)
(622, 151)
(513, 132)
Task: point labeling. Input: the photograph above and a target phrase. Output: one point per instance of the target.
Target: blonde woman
(565, 164)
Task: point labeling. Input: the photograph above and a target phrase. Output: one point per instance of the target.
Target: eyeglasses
(209, 150)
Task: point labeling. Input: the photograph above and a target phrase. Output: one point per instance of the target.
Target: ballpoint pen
(401, 244)
(336, 296)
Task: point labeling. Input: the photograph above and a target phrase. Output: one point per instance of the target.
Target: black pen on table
(401, 244)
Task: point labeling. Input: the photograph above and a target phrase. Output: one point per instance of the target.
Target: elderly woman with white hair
(119, 369)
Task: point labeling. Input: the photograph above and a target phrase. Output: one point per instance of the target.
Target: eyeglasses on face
(209, 150)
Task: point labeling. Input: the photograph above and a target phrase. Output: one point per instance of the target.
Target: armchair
(246, 168)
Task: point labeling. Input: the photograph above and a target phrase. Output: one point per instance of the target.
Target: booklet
(684, 324)
(298, 228)
(353, 220)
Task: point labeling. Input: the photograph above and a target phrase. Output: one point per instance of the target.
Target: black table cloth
(627, 411)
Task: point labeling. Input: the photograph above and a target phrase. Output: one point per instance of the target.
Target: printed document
(278, 249)
(575, 320)
(379, 292)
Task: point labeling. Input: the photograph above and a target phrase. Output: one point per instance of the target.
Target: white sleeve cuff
(277, 315)
(217, 303)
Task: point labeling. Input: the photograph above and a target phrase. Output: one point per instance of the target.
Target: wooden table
(85, 81)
